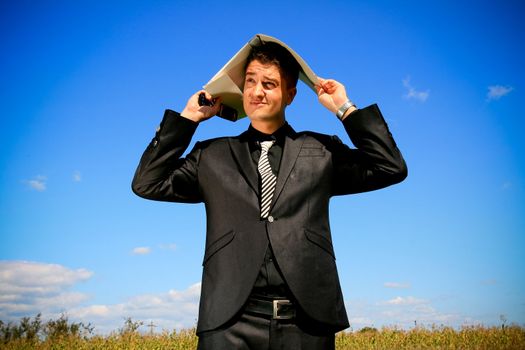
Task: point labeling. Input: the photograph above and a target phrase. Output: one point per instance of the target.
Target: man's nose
(258, 90)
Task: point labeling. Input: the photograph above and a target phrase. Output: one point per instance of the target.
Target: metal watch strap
(342, 110)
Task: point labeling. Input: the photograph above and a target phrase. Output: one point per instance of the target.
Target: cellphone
(225, 112)
(203, 101)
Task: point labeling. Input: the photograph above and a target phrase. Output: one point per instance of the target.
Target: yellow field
(493, 338)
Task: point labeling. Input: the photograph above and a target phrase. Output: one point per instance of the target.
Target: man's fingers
(328, 85)
(217, 105)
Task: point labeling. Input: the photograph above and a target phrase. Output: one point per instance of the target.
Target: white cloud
(412, 93)
(141, 251)
(498, 91)
(37, 278)
(77, 176)
(172, 310)
(168, 246)
(396, 285)
(38, 183)
(405, 301)
(362, 321)
(506, 185)
(401, 312)
(148, 250)
(27, 288)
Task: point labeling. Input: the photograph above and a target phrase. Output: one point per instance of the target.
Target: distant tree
(368, 329)
(61, 327)
(34, 330)
(26, 329)
(130, 326)
(30, 329)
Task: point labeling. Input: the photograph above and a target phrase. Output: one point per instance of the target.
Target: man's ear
(290, 95)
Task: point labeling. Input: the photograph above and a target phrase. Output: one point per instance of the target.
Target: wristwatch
(342, 110)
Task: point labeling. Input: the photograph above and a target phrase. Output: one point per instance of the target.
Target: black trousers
(255, 332)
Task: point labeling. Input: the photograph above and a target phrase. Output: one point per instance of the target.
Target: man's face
(265, 94)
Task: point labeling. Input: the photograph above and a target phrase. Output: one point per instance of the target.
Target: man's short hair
(273, 53)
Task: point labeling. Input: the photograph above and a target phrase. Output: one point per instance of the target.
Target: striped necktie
(268, 179)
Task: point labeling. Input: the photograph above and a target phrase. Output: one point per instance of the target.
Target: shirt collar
(255, 135)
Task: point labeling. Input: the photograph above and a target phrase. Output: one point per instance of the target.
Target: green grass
(510, 337)
(493, 338)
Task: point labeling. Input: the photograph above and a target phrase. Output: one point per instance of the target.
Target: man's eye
(269, 85)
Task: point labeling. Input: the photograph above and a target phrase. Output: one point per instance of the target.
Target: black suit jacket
(220, 173)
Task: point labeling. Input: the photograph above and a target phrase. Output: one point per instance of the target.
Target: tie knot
(265, 145)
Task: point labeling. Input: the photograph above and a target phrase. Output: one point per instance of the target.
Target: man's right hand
(197, 113)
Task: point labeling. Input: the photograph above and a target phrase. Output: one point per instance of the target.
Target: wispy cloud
(396, 285)
(401, 312)
(168, 246)
(506, 185)
(141, 251)
(27, 288)
(405, 301)
(498, 91)
(38, 183)
(412, 93)
(77, 176)
(176, 309)
(149, 250)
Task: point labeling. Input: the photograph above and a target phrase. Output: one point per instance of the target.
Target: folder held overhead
(228, 82)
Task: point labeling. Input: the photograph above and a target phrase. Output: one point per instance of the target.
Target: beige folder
(228, 82)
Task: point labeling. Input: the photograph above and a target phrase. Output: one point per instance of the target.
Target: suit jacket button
(270, 218)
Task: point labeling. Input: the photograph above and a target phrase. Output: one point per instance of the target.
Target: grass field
(493, 338)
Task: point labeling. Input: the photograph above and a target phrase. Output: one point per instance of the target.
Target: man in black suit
(269, 274)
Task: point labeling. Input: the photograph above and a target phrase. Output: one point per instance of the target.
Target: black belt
(278, 309)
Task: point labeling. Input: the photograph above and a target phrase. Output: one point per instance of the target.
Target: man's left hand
(332, 95)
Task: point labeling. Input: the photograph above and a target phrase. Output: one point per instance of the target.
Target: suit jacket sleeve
(376, 163)
(162, 173)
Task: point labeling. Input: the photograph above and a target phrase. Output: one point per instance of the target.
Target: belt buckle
(278, 305)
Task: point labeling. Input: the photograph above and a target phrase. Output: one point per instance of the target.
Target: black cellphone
(203, 101)
(225, 112)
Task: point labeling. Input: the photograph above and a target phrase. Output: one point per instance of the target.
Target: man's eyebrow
(266, 77)
(273, 80)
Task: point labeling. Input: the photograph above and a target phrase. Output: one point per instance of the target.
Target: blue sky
(84, 85)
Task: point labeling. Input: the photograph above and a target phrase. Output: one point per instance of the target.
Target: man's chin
(259, 115)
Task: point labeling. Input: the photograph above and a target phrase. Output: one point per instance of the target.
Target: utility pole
(151, 326)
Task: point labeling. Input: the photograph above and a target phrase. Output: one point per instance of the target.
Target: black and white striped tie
(268, 179)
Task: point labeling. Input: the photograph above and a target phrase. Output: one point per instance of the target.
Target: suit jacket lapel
(241, 152)
(292, 146)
